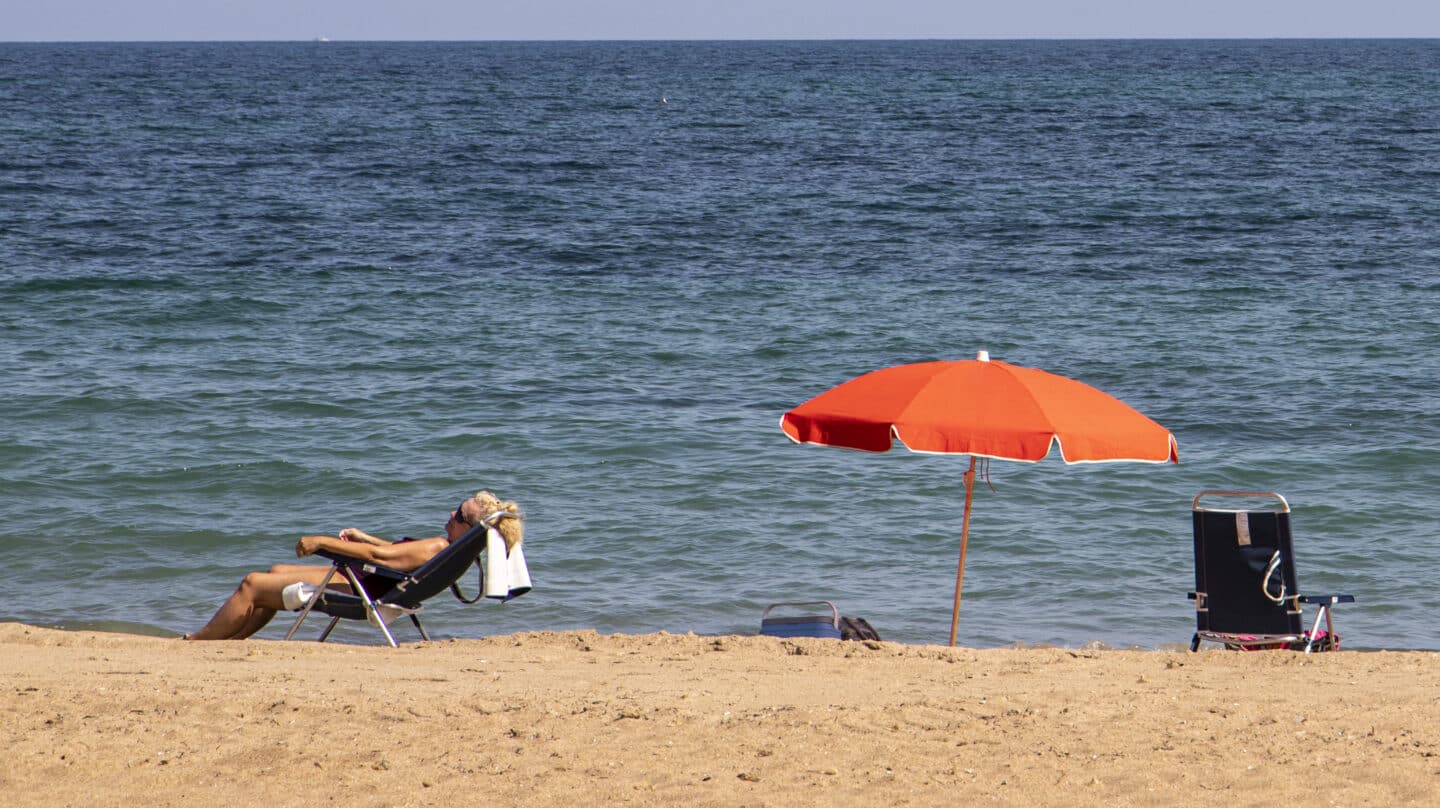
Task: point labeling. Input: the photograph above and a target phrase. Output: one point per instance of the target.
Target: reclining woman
(261, 594)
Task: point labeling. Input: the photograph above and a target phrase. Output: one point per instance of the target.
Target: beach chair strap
(1270, 573)
(480, 584)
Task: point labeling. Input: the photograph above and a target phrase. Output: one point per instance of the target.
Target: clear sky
(119, 20)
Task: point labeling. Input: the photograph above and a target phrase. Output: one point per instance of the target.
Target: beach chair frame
(1246, 596)
(411, 589)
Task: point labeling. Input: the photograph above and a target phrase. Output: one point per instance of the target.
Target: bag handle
(1270, 573)
(479, 593)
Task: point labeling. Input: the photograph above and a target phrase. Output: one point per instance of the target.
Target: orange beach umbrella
(981, 408)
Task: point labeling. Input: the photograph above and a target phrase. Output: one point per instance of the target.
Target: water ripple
(253, 291)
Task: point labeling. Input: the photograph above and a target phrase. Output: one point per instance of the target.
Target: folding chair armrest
(1327, 600)
(369, 567)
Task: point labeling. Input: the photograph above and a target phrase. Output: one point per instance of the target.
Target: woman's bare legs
(255, 601)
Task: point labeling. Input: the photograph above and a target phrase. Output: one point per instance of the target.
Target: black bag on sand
(857, 628)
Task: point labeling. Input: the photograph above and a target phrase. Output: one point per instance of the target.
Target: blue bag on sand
(829, 626)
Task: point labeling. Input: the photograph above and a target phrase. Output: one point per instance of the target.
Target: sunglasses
(459, 516)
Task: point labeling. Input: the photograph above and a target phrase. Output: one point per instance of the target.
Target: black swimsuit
(377, 585)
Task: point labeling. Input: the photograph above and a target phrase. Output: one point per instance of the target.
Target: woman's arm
(356, 534)
(400, 555)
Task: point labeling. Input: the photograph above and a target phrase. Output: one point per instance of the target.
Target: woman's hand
(308, 545)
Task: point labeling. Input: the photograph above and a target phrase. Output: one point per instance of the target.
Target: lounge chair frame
(1226, 611)
(411, 588)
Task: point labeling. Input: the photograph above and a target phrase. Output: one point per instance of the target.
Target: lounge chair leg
(415, 618)
(334, 621)
(388, 636)
(371, 612)
(310, 604)
(1310, 640)
(291, 633)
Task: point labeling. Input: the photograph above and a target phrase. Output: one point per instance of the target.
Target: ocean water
(253, 291)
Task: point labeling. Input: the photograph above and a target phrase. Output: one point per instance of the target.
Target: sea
(253, 291)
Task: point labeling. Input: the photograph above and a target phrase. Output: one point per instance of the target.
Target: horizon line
(321, 39)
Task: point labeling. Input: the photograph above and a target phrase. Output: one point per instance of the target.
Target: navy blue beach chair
(410, 591)
(1245, 593)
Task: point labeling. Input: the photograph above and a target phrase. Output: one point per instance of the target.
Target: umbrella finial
(983, 356)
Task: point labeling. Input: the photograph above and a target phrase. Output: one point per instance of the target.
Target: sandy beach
(570, 718)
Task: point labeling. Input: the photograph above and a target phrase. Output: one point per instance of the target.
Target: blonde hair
(510, 526)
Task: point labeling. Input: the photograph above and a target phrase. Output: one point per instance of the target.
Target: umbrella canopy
(982, 408)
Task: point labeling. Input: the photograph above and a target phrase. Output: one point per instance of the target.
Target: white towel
(506, 575)
(296, 595)
(387, 612)
(519, 573)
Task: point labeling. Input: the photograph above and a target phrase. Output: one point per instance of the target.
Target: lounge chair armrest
(1328, 600)
(365, 566)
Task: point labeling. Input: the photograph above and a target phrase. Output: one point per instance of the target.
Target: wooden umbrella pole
(964, 539)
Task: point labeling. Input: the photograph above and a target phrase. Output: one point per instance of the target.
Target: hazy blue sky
(28, 20)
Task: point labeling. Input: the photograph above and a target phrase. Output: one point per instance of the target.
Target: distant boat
(322, 39)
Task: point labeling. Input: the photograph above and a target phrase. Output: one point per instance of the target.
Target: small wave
(116, 282)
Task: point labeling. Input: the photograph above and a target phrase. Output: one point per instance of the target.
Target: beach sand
(578, 718)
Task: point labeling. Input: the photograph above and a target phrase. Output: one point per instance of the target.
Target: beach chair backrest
(437, 574)
(1245, 572)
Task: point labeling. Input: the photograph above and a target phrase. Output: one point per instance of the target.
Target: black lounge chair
(1245, 592)
(410, 591)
